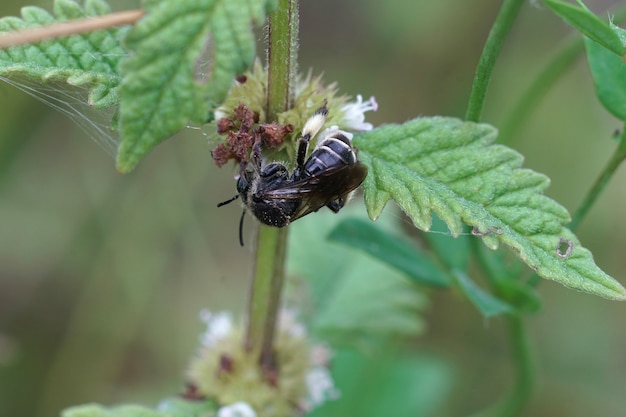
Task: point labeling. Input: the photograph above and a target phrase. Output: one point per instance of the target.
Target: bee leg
(255, 156)
(243, 214)
(310, 129)
(337, 204)
(303, 146)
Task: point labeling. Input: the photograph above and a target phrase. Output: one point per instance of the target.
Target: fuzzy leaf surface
(452, 168)
(89, 59)
(185, 54)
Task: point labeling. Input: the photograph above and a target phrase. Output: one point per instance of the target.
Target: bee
(328, 177)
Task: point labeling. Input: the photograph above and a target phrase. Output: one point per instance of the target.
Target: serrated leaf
(452, 168)
(90, 59)
(609, 77)
(389, 249)
(488, 305)
(163, 88)
(590, 25)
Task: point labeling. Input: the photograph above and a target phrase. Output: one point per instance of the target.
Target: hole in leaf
(564, 248)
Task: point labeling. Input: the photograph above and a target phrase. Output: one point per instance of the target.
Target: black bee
(327, 178)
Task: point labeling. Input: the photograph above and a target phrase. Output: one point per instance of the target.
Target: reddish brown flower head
(222, 154)
(224, 125)
(273, 134)
(246, 116)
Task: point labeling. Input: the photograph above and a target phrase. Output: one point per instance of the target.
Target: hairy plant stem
(282, 58)
(271, 242)
(493, 45)
(616, 160)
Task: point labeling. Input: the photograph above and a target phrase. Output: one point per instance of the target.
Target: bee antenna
(243, 214)
(230, 200)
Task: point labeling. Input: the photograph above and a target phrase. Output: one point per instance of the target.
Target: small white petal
(219, 114)
(239, 409)
(320, 386)
(218, 326)
(288, 321)
(354, 113)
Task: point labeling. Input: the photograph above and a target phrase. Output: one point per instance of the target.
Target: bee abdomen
(332, 152)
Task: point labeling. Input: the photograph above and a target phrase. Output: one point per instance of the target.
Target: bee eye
(242, 185)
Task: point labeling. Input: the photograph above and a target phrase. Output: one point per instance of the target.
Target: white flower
(288, 322)
(320, 387)
(354, 114)
(238, 409)
(218, 326)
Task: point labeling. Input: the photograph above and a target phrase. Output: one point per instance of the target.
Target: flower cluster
(226, 372)
(238, 117)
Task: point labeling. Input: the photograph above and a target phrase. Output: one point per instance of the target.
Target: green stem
(271, 242)
(266, 289)
(616, 160)
(493, 45)
(513, 404)
(282, 58)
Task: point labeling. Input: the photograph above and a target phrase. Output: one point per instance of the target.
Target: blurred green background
(102, 276)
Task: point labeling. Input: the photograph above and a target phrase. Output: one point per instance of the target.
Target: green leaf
(185, 54)
(389, 249)
(96, 410)
(391, 384)
(503, 275)
(609, 77)
(357, 300)
(450, 167)
(454, 253)
(171, 407)
(588, 24)
(89, 60)
(487, 304)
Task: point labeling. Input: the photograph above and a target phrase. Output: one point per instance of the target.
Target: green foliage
(357, 300)
(590, 25)
(184, 56)
(399, 254)
(609, 76)
(487, 304)
(174, 407)
(89, 60)
(451, 168)
(389, 249)
(415, 385)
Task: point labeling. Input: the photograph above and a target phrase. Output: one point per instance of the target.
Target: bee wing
(316, 192)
